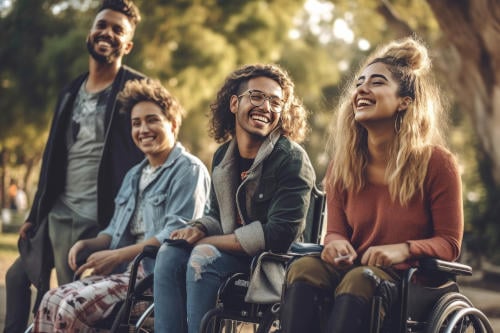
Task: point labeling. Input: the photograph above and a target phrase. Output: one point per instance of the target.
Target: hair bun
(409, 52)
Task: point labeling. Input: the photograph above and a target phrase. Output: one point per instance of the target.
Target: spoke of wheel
(477, 318)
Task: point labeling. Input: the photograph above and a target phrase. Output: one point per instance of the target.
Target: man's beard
(103, 59)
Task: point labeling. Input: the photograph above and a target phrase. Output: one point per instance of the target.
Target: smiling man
(87, 154)
(261, 185)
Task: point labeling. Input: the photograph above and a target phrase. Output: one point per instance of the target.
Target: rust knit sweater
(432, 226)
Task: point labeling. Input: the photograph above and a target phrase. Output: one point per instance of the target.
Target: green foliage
(191, 45)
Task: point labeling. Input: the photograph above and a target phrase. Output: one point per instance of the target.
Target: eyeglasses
(257, 98)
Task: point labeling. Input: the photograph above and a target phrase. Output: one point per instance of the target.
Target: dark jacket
(118, 156)
(272, 201)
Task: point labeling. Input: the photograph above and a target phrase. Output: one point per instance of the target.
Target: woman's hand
(73, 254)
(339, 253)
(190, 234)
(386, 255)
(101, 262)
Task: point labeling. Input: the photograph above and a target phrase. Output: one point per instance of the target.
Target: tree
(464, 41)
(192, 45)
(471, 31)
(39, 54)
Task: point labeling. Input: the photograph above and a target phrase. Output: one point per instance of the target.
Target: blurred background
(192, 45)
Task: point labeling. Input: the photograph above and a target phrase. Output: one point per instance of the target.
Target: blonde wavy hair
(422, 125)
(293, 119)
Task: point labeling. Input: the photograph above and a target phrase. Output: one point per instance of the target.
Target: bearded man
(87, 154)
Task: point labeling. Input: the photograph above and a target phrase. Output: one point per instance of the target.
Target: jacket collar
(176, 152)
(265, 149)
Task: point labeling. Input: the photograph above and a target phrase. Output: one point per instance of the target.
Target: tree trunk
(473, 29)
(3, 179)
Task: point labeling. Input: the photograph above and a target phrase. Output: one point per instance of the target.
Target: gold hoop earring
(397, 122)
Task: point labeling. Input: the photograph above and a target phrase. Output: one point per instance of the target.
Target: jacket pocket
(156, 206)
(122, 197)
(262, 199)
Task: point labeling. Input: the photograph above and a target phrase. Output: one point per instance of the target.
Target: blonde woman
(393, 192)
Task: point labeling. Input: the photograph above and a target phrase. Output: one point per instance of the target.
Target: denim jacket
(177, 195)
(272, 201)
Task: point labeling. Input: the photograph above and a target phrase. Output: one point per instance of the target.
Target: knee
(16, 277)
(305, 269)
(166, 259)
(202, 257)
(170, 262)
(355, 282)
(68, 312)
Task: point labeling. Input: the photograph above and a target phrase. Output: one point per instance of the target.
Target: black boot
(350, 314)
(299, 311)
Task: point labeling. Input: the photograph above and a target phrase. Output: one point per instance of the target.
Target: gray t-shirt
(85, 141)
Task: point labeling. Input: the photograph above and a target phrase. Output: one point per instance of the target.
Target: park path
(484, 299)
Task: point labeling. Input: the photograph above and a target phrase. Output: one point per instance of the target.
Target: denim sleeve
(123, 194)
(189, 191)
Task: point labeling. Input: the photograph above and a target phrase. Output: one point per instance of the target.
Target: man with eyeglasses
(261, 185)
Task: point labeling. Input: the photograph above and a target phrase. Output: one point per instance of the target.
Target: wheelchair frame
(451, 311)
(236, 285)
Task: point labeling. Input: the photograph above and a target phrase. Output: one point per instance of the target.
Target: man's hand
(73, 254)
(190, 234)
(25, 228)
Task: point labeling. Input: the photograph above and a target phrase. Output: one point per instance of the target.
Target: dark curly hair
(126, 7)
(149, 90)
(293, 120)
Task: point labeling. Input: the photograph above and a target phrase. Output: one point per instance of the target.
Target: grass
(8, 244)
(8, 252)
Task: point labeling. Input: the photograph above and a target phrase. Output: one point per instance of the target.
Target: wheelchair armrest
(438, 265)
(305, 248)
(150, 251)
(280, 257)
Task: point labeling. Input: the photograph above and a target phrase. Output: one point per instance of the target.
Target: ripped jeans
(186, 284)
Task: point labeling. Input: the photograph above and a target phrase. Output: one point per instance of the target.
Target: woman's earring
(397, 122)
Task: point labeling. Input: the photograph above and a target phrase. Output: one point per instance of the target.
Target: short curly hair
(149, 90)
(126, 7)
(293, 119)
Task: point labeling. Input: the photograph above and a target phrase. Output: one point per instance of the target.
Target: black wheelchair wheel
(124, 321)
(454, 313)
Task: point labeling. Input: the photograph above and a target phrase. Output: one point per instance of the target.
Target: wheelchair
(135, 313)
(231, 311)
(412, 305)
(416, 306)
(127, 320)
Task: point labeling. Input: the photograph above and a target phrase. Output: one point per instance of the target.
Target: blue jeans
(186, 284)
